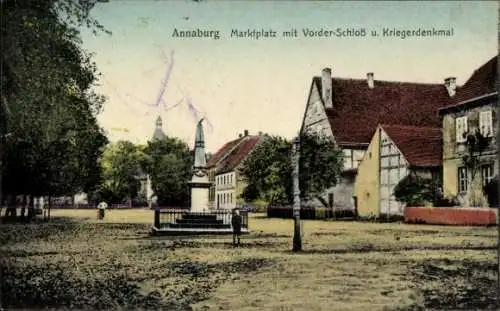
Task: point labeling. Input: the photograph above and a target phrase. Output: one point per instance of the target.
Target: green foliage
(50, 140)
(320, 165)
(416, 191)
(170, 170)
(491, 192)
(268, 169)
(476, 144)
(413, 191)
(121, 165)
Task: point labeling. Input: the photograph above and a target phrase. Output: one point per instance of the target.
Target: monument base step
(194, 231)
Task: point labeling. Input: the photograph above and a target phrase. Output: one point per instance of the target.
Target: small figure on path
(101, 208)
(236, 224)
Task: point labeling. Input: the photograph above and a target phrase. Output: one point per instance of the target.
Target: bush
(446, 202)
(417, 191)
(491, 191)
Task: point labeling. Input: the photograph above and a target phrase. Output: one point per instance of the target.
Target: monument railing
(170, 216)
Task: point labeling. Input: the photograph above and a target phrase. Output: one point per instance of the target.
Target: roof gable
(238, 154)
(223, 152)
(482, 82)
(358, 109)
(421, 146)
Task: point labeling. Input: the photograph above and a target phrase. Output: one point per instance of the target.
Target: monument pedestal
(199, 195)
(200, 219)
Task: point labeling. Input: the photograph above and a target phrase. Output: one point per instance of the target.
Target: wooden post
(297, 240)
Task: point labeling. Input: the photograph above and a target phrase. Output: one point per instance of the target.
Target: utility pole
(297, 240)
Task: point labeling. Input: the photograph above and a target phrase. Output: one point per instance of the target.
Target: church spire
(158, 134)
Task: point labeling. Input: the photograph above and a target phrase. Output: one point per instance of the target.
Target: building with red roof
(394, 152)
(350, 110)
(473, 108)
(223, 168)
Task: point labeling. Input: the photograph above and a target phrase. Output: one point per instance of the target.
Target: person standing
(236, 224)
(102, 208)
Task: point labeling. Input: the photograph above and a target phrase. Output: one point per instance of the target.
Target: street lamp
(297, 242)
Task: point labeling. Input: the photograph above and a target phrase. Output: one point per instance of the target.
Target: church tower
(158, 133)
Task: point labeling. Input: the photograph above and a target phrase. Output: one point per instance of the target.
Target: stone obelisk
(199, 184)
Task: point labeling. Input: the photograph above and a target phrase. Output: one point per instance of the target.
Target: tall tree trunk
(11, 210)
(31, 208)
(24, 202)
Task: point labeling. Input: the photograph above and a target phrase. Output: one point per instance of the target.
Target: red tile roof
(358, 109)
(421, 146)
(238, 154)
(482, 82)
(222, 152)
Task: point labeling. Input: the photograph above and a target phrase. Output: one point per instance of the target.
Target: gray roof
(158, 134)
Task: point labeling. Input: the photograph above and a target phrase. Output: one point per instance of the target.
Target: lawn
(78, 262)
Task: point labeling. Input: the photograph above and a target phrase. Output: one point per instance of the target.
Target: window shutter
(464, 126)
(486, 123)
(458, 129)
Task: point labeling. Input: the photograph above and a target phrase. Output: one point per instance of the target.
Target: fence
(308, 212)
(171, 216)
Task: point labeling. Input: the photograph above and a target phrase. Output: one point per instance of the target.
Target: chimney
(260, 133)
(370, 80)
(245, 133)
(240, 135)
(451, 85)
(326, 87)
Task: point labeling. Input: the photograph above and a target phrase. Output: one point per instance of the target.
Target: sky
(262, 84)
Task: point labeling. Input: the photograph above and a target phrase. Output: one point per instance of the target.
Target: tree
(170, 170)
(321, 163)
(267, 171)
(476, 144)
(121, 164)
(50, 139)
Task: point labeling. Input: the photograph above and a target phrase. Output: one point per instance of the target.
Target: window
(347, 158)
(462, 179)
(230, 198)
(487, 173)
(486, 123)
(358, 157)
(460, 128)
